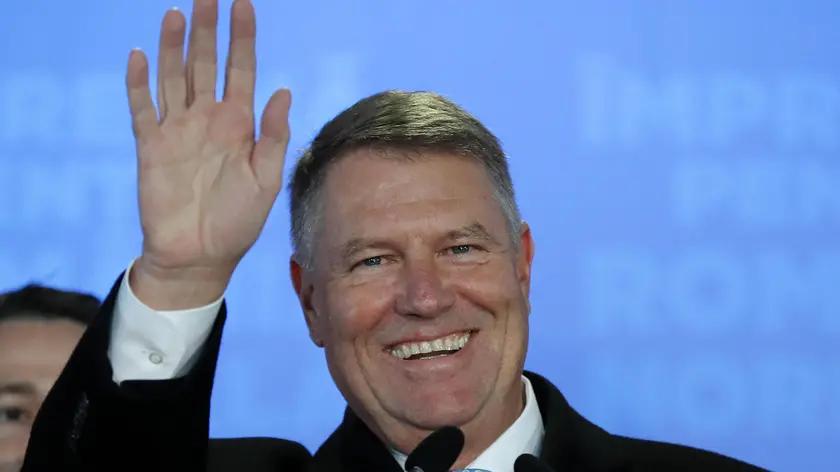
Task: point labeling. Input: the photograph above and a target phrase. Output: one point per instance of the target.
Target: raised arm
(205, 189)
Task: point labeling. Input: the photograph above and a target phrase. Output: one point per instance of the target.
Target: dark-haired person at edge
(39, 327)
(411, 264)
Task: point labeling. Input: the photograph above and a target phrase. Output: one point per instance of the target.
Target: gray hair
(407, 122)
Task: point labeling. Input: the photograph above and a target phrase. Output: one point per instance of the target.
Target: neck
(492, 422)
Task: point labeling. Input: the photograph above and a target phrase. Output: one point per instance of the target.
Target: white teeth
(443, 345)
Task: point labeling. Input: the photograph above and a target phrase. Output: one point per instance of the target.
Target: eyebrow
(355, 245)
(474, 230)
(20, 388)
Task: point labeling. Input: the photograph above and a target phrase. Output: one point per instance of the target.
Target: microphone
(437, 452)
(530, 463)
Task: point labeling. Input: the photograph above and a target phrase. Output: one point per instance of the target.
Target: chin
(444, 409)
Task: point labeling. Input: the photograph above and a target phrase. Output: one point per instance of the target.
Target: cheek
(13, 441)
(351, 312)
(495, 289)
(493, 286)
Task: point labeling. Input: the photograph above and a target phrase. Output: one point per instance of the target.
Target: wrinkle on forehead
(371, 181)
(418, 219)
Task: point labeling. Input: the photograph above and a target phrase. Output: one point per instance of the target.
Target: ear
(301, 280)
(525, 260)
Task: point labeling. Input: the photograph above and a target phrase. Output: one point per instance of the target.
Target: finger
(270, 151)
(240, 71)
(143, 113)
(172, 86)
(201, 55)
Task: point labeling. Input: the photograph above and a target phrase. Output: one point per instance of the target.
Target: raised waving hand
(206, 185)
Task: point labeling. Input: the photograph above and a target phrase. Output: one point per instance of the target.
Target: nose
(424, 292)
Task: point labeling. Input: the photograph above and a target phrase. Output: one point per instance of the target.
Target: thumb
(269, 153)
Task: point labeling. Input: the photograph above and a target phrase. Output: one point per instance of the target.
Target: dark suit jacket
(88, 423)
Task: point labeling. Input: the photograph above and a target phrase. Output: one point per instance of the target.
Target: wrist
(169, 288)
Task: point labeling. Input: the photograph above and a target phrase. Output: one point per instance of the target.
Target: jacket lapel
(354, 448)
(571, 443)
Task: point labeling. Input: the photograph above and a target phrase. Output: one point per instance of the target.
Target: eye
(369, 262)
(461, 249)
(372, 261)
(11, 415)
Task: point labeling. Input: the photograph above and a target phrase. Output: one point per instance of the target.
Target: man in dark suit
(411, 264)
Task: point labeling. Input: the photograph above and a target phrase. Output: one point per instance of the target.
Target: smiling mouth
(435, 348)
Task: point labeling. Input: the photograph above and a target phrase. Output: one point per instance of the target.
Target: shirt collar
(524, 436)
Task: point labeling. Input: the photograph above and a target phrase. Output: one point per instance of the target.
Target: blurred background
(677, 161)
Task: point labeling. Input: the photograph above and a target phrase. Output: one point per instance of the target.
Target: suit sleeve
(89, 422)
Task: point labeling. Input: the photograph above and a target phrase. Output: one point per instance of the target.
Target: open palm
(206, 186)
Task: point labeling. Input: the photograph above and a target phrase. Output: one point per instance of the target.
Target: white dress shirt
(155, 345)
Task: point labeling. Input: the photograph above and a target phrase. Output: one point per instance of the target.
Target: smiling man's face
(419, 295)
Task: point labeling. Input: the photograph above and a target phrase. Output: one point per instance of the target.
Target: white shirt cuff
(155, 345)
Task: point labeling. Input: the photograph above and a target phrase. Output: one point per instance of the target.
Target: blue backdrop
(678, 163)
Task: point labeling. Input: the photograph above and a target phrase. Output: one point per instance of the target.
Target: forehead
(368, 184)
(31, 348)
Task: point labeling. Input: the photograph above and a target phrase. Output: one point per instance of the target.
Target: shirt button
(155, 358)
